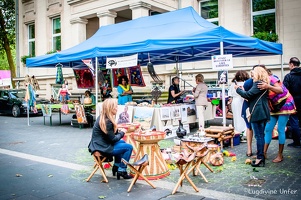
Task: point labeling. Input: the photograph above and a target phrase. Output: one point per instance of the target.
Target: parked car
(12, 101)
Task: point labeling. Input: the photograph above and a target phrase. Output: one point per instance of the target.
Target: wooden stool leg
(137, 174)
(210, 169)
(88, 179)
(181, 178)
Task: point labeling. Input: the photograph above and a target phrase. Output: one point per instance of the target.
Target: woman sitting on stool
(107, 139)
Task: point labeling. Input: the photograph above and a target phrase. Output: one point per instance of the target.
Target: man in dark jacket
(292, 82)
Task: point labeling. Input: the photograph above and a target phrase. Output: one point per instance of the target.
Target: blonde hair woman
(106, 138)
(200, 96)
(258, 100)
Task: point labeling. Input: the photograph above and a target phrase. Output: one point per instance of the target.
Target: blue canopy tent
(174, 37)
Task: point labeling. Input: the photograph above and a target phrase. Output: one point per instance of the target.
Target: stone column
(140, 9)
(106, 17)
(78, 30)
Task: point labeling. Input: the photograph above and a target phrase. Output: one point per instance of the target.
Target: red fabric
(116, 74)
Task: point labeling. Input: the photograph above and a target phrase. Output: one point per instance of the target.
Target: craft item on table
(143, 116)
(80, 114)
(188, 99)
(181, 132)
(175, 112)
(165, 113)
(87, 100)
(65, 109)
(124, 114)
(135, 76)
(233, 158)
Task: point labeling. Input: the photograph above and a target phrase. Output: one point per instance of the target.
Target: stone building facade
(49, 25)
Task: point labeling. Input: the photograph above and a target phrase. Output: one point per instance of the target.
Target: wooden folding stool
(99, 160)
(142, 163)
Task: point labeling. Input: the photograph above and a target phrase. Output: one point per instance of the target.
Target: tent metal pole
(282, 71)
(96, 86)
(223, 89)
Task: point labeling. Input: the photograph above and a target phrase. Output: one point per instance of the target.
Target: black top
(170, 97)
(103, 142)
(292, 82)
(261, 111)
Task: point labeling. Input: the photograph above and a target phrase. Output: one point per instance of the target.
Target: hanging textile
(135, 76)
(88, 62)
(59, 74)
(84, 78)
(116, 74)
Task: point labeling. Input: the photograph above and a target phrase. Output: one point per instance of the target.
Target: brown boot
(265, 149)
(279, 157)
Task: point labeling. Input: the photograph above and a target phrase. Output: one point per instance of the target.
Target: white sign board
(221, 62)
(122, 62)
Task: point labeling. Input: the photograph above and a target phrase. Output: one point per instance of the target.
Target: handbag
(248, 114)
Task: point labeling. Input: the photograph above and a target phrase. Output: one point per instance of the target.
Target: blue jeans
(282, 120)
(122, 150)
(258, 130)
(294, 123)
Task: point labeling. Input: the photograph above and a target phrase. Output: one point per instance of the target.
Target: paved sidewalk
(52, 162)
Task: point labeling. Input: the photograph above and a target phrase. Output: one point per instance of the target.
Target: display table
(148, 144)
(55, 106)
(128, 138)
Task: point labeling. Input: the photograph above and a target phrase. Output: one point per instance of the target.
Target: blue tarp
(177, 36)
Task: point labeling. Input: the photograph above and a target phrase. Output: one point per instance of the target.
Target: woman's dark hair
(241, 76)
(173, 79)
(295, 61)
(87, 92)
(123, 77)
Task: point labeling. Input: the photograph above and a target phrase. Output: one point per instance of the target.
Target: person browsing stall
(174, 92)
(259, 109)
(106, 138)
(124, 90)
(200, 96)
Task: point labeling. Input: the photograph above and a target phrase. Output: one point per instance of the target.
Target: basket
(130, 127)
(87, 100)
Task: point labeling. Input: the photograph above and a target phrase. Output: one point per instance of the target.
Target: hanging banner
(135, 76)
(88, 62)
(122, 62)
(59, 79)
(84, 78)
(221, 62)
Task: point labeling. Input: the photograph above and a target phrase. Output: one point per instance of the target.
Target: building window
(263, 15)
(56, 34)
(31, 40)
(209, 10)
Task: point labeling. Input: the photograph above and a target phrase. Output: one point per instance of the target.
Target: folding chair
(142, 163)
(99, 160)
(47, 112)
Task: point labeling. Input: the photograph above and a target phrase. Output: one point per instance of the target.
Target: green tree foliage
(7, 33)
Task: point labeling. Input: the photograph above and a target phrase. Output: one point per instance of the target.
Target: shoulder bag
(248, 114)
